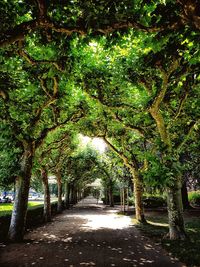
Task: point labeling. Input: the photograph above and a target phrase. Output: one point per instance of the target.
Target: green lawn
(6, 208)
(186, 251)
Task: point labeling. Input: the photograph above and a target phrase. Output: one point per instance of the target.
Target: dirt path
(87, 235)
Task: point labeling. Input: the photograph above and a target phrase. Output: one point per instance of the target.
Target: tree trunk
(138, 192)
(14, 185)
(175, 207)
(185, 200)
(18, 218)
(71, 194)
(47, 199)
(67, 194)
(127, 195)
(106, 196)
(111, 200)
(74, 195)
(59, 183)
(175, 212)
(79, 194)
(123, 201)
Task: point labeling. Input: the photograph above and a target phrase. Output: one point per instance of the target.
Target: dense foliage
(126, 71)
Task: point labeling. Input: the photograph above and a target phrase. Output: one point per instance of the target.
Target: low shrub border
(34, 218)
(151, 201)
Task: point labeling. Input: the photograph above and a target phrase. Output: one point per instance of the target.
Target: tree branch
(193, 126)
(34, 62)
(165, 76)
(43, 22)
(73, 118)
(18, 33)
(183, 99)
(42, 8)
(139, 130)
(55, 87)
(49, 102)
(116, 151)
(3, 94)
(44, 88)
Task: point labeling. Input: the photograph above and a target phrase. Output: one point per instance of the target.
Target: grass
(6, 208)
(186, 251)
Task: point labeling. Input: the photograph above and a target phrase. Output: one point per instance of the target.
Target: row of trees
(125, 71)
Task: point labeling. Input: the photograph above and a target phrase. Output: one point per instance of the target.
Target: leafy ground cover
(186, 251)
(6, 208)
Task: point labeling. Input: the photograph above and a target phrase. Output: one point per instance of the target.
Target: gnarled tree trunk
(175, 211)
(47, 198)
(138, 192)
(175, 207)
(137, 182)
(18, 218)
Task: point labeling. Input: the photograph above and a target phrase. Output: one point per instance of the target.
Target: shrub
(154, 202)
(194, 198)
(34, 218)
(151, 201)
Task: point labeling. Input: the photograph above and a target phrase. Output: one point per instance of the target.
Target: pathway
(87, 235)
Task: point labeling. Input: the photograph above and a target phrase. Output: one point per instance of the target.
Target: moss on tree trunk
(175, 211)
(18, 218)
(138, 192)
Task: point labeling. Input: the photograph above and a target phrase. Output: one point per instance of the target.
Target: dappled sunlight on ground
(87, 235)
(109, 221)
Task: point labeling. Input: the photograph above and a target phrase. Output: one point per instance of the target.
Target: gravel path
(87, 235)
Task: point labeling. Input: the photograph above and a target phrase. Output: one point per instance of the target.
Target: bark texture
(175, 209)
(138, 192)
(175, 212)
(18, 218)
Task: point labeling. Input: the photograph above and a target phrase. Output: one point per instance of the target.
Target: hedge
(151, 201)
(34, 218)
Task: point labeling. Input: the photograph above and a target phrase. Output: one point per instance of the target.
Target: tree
(146, 79)
(133, 165)
(78, 170)
(161, 82)
(30, 109)
(104, 85)
(99, 17)
(168, 89)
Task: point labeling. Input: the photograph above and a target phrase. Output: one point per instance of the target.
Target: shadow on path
(87, 235)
